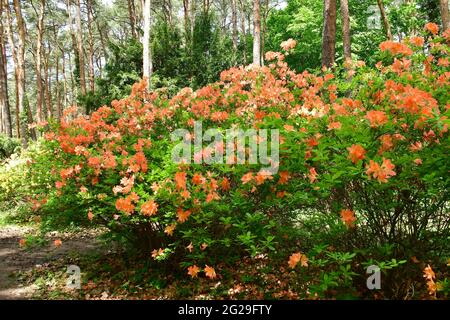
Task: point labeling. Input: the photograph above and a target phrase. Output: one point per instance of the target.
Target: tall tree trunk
(47, 87)
(329, 33)
(146, 42)
(187, 21)
(243, 33)
(21, 73)
(132, 17)
(57, 88)
(90, 47)
(346, 30)
(234, 23)
(63, 71)
(445, 14)
(74, 50)
(384, 18)
(4, 99)
(256, 33)
(40, 91)
(80, 49)
(193, 12)
(12, 46)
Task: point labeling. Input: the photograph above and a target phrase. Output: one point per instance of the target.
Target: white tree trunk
(146, 42)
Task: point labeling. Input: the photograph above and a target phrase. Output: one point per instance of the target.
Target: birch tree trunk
(147, 66)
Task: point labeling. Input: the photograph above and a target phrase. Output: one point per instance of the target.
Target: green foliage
(8, 146)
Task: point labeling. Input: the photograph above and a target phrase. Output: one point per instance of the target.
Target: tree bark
(445, 14)
(256, 33)
(243, 33)
(21, 73)
(47, 87)
(90, 47)
(4, 99)
(80, 49)
(187, 21)
(329, 33)
(12, 46)
(346, 30)
(40, 91)
(146, 42)
(132, 17)
(234, 23)
(384, 18)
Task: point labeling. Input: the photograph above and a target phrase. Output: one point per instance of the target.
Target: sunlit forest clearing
(224, 149)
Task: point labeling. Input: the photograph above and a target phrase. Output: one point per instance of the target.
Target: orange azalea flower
(386, 143)
(297, 257)
(416, 146)
(417, 41)
(418, 161)
(57, 243)
(288, 44)
(356, 153)
(376, 118)
(428, 273)
(190, 247)
(432, 27)
(284, 177)
(225, 184)
(381, 173)
(198, 179)
(149, 208)
(312, 175)
(125, 205)
(157, 253)
(170, 229)
(334, 126)
(183, 215)
(348, 217)
(193, 271)
(180, 180)
(246, 178)
(22, 242)
(90, 215)
(210, 272)
(396, 48)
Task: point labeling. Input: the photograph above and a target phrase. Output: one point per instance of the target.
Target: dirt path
(14, 259)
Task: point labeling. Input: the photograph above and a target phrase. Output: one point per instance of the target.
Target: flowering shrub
(363, 163)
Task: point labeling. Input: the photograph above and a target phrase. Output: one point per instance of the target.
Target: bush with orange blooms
(363, 162)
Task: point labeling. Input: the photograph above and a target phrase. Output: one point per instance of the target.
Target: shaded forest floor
(39, 271)
(17, 262)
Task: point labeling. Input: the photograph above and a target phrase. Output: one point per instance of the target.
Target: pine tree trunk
(346, 30)
(132, 17)
(40, 92)
(329, 33)
(234, 23)
(80, 49)
(91, 47)
(256, 33)
(384, 18)
(445, 14)
(187, 21)
(47, 87)
(4, 99)
(21, 74)
(243, 33)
